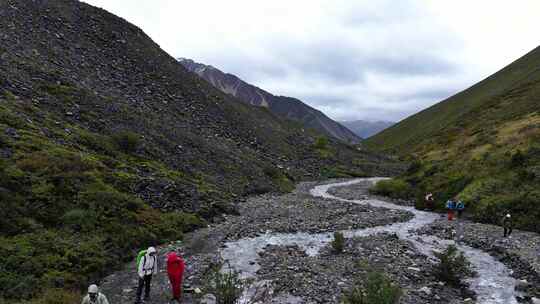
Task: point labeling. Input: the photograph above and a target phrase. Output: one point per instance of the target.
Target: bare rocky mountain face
(365, 129)
(282, 106)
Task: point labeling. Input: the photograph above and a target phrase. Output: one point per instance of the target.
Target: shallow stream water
(493, 284)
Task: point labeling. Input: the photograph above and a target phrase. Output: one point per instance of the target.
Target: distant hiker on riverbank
(146, 267)
(175, 270)
(507, 225)
(429, 201)
(460, 207)
(94, 296)
(450, 206)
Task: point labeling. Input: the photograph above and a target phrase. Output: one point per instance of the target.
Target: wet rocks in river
(324, 278)
(301, 212)
(294, 212)
(521, 253)
(298, 277)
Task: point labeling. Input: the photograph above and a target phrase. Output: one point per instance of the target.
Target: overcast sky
(374, 60)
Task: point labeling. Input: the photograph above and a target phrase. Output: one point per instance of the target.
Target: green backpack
(140, 255)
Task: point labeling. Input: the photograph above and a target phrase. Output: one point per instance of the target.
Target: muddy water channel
(492, 284)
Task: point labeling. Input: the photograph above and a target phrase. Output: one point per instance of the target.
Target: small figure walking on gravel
(175, 270)
(460, 207)
(429, 201)
(507, 225)
(450, 206)
(147, 266)
(94, 296)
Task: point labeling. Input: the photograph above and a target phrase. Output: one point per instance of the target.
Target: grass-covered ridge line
(517, 81)
(482, 145)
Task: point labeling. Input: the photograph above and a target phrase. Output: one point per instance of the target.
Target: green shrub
(58, 89)
(377, 289)
(121, 180)
(172, 225)
(283, 184)
(80, 220)
(9, 96)
(420, 201)
(452, 266)
(127, 141)
(355, 296)
(480, 189)
(57, 296)
(226, 286)
(414, 167)
(96, 142)
(339, 172)
(523, 205)
(271, 172)
(452, 186)
(279, 179)
(109, 202)
(394, 188)
(56, 161)
(321, 143)
(322, 147)
(10, 118)
(49, 259)
(517, 160)
(338, 243)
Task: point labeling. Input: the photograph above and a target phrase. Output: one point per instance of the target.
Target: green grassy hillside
(450, 114)
(482, 145)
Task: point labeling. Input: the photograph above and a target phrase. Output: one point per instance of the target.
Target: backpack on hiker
(140, 255)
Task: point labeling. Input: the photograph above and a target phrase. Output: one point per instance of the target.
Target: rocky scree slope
(287, 107)
(107, 145)
(483, 145)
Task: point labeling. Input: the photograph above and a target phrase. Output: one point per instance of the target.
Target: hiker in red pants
(175, 269)
(450, 206)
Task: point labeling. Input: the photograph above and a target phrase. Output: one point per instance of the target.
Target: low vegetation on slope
(108, 145)
(69, 212)
(489, 153)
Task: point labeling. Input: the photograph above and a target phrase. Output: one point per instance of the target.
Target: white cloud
(351, 59)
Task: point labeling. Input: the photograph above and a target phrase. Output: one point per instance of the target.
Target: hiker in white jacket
(146, 268)
(94, 296)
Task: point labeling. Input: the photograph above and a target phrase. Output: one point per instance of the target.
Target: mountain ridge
(283, 106)
(443, 114)
(481, 145)
(365, 128)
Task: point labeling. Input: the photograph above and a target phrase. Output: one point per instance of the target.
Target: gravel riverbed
(298, 277)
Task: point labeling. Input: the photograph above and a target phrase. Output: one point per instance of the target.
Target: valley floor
(298, 276)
